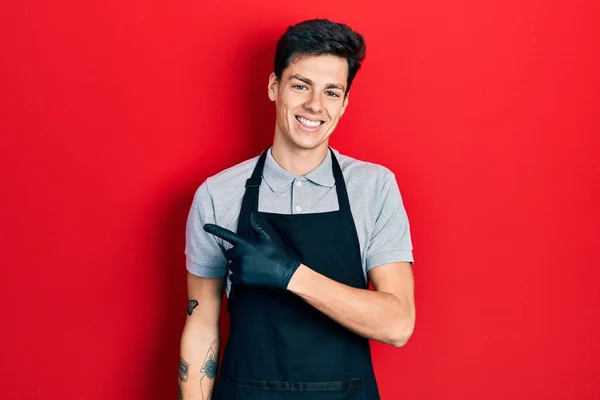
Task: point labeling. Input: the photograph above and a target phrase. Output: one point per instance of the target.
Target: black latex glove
(256, 261)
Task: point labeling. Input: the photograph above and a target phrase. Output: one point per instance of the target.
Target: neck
(298, 161)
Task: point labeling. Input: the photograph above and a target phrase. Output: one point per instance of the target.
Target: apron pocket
(248, 389)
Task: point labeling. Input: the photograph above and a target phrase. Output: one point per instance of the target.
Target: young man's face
(310, 99)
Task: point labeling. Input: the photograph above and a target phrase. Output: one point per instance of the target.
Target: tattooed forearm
(192, 303)
(184, 368)
(208, 374)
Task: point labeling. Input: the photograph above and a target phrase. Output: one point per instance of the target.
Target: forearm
(374, 315)
(198, 364)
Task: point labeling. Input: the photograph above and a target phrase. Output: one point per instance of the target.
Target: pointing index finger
(224, 234)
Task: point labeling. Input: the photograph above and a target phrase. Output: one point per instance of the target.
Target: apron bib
(280, 347)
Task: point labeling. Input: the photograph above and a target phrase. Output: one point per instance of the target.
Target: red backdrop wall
(113, 113)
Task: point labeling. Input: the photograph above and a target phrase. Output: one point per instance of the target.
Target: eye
(299, 87)
(332, 94)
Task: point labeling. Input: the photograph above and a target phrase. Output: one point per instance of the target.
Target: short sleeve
(390, 240)
(204, 255)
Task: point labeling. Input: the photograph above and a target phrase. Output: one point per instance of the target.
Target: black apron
(280, 347)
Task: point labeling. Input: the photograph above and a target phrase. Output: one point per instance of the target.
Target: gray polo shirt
(375, 200)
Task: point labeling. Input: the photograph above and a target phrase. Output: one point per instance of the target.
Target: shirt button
(299, 183)
(298, 208)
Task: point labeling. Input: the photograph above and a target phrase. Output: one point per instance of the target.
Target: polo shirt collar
(277, 178)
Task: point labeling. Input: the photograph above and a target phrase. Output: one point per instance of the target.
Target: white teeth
(309, 123)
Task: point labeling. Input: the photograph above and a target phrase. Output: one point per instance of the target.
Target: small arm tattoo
(192, 303)
(208, 371)
(184, 368)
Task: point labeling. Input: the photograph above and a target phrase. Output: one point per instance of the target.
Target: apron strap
(250, 200)
(340, 184)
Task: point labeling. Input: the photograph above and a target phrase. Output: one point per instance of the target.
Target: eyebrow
(311, 83)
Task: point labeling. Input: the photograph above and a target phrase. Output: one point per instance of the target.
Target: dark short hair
(317, 37)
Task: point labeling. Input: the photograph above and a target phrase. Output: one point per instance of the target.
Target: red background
(113, 113)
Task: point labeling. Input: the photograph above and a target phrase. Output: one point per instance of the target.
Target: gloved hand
(256, 262)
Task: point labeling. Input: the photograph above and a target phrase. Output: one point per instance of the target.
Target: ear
(273, 82)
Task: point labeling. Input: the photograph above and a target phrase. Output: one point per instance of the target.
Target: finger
(224, 234)
(255, 223)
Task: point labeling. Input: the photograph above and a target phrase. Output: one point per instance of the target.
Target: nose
(313, 103)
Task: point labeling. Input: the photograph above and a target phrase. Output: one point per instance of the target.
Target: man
(299, 231)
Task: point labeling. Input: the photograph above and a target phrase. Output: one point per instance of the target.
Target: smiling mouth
(308, 123)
